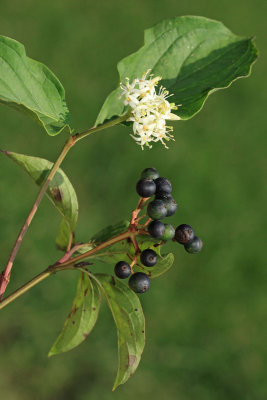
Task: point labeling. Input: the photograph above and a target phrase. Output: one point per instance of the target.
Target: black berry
(156, 229)
(184, 234)
(139, 282)
(169, 232)
(146, 187)
(150, 173)
(194, 246)
(148, 257)
(156, 209)
(163, 186)
(169, 202)
(122, 269)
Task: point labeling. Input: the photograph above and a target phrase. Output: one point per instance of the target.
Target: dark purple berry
(194, 246)
(150, 173)
(184, 234)
(163, 186)
(148, 257)
(169, 202)
(139, 282)
(169, 232)
(122, 270)
(163, 196)
(156, 209)
(146, 187)
(156, 229)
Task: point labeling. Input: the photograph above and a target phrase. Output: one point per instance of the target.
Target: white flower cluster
(149, 110)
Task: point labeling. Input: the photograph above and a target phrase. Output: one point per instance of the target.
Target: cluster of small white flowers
(149, 110)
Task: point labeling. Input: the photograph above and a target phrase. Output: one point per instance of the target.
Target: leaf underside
(29, 86)
(60, 191)
(82, 317)
(194, 56)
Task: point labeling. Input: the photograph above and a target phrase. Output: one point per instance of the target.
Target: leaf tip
(115, 386)
(51, 352)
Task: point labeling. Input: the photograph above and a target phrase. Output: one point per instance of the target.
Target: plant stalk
(5, 275)
(69, 264)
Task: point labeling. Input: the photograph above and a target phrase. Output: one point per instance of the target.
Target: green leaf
(60, 191)
(130, 322)
(65, 235)
(31, 87)
(113, 253)
(194, 55)
(82, 317)
(110, 231)
(124, 250)
(164, 263)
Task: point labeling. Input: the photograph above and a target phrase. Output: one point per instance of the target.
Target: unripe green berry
(169, 232)
(150, 173)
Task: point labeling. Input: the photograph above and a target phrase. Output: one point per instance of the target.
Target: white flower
(149, 110)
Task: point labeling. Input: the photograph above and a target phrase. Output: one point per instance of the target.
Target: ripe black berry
(122, 269)
(150, 173)
(163, 186)
(169, 202)
(148, 257)
(156, 209)
(169, 232)
(194, 246)
(146, 187)
(139, 282)
(184, 234)
(156, 229)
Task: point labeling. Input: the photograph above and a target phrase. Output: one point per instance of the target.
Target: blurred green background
(207, 317)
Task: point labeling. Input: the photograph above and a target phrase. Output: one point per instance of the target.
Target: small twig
(133, 263)
(143, 232)
(69, 253)
(82, 264)
(135, 213)
(147, 222)
(57, 267)
(70, 241)
(134, 242)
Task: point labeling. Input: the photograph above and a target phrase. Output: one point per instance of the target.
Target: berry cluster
(163, 205)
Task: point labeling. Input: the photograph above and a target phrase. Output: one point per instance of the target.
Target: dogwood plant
(190, 57)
